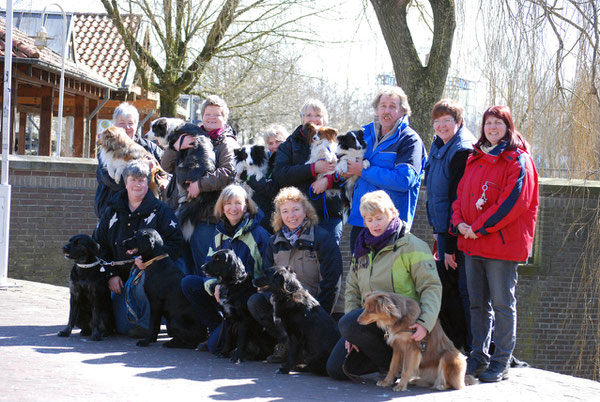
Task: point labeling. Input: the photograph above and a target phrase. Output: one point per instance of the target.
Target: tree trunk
(168, 105)
(424, 85)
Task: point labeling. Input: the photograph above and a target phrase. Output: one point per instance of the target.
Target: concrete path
(36, 365)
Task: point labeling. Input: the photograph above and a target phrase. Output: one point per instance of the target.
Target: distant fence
(52, 201)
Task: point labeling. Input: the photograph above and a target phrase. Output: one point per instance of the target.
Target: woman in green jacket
(386, 258)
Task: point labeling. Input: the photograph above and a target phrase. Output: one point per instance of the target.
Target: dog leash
(113, 263)
(354, 377)
(325, 212)
(158, 258)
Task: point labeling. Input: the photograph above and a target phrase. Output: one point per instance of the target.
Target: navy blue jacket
(444, 169)
(291, 170)
(107, 187)
(119, 223)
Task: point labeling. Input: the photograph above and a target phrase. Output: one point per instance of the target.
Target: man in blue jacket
(396, 156)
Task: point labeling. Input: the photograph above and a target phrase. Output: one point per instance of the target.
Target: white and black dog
(351, 147)
(250, 160)
(323, 146)
(162, 130)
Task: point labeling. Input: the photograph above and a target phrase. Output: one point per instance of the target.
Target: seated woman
(238, 229)
(308, 250)
(386, 258)
(128, 211)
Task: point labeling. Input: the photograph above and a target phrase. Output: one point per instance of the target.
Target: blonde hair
(377, 202)
(234, 190)
(393, 91)
(294, 195)
(316, 105)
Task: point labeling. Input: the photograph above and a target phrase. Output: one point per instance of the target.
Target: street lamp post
(40, 43)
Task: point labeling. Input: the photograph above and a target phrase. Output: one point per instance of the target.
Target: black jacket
(265, 191)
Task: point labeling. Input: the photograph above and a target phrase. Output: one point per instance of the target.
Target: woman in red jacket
(495, 213)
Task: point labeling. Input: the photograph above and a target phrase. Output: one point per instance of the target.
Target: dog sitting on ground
(323, 146)
(440, 365)
(91, 308)
(310, 330)
(117, 149)
(241, 336)
(163, 288)
(250, 160)
(351, 147)
(192, 163)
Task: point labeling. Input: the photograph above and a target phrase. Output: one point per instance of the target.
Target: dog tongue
(130, 252)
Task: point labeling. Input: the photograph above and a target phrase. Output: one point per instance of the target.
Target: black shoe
(494, 373)
(280, 353)
(137, 332)
(475, 368)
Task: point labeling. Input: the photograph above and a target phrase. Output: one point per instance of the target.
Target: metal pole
(61, 92)
(4, 186)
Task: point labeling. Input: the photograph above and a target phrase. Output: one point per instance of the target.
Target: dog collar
(93, 264)
(160, 257)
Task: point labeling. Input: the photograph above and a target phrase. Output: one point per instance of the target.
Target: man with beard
(396, 156)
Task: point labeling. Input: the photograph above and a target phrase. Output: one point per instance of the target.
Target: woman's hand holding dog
(139, 263)
(187, 142)
(354, 168)
(193, 189)
(323, 166)
(420, 332)
(320, 185)
(115, 284)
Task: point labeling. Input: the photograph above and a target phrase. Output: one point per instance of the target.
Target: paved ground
(36, 365)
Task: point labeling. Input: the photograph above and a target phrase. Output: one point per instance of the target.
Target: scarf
(214, 134)
(293, 235)
(366, 242)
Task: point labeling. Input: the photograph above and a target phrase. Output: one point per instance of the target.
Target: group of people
(481, 203)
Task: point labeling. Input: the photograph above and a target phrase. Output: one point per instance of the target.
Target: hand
(320, 185)
(470, 234)
(450, 261)
(244, 175)
(463, 228)
(188, 142)
(324, 167)
(218, 293)
(350, 346)
(193, 189)
(420, 332)
(139, 263)
(355, 168)
(115, 284)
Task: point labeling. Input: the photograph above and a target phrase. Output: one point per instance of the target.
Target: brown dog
(323, 146)
(118, 149)
(440, 366)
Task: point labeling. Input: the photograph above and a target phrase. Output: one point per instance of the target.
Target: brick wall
(557, 310)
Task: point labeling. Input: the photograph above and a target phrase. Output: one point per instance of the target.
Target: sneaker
(475, 368)
(494, 373)
(280, 353)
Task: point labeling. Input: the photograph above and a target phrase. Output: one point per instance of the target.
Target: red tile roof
(100, 47)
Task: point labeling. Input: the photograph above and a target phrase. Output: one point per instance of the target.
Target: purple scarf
(214, 134)
(366, 242)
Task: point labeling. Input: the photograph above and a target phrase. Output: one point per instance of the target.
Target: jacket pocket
(307, 271)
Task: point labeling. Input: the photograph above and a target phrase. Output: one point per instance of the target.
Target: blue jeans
(120, 310)
(333, 226)
(374, 353)
(492, 285)
(205, 305)
(200, 242)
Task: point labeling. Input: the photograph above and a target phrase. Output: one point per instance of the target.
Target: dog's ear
(309, 130)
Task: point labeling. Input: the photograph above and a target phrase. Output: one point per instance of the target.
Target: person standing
(451, 146)
(396, 155)
(495, 213)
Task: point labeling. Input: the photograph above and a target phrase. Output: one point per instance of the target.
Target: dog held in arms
(163, 288)
(117, 149)
(310, 330)
(439, 366)
(250, 160)
(192, 163)
(323, 146)
(241, 336)
(351, 147)
(91, 308)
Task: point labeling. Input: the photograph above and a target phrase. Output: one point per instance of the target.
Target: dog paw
(400, 388)
(366, 164)
(64, 333)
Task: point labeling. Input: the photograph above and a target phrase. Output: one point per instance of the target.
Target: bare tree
(424, 84)
(190, 33)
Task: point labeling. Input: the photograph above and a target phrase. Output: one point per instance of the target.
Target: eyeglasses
(446, 120)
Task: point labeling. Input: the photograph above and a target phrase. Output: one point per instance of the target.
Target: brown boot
(280, 353)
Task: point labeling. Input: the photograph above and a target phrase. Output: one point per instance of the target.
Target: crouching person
(128, 211)
(386, 258)
(310, 251)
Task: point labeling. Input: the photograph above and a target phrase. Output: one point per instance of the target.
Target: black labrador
(163, 288)
(311, 332)
(240, 333)
(90, 304)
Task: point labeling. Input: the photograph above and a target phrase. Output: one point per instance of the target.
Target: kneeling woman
(386, 258)
(239, 230)
(308, 250)
(128, 211)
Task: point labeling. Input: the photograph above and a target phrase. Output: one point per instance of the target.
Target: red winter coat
(506, 224)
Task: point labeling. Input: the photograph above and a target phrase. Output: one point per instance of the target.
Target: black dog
(240, 334)
(91, 308)
(163, 288)
(310, 330)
